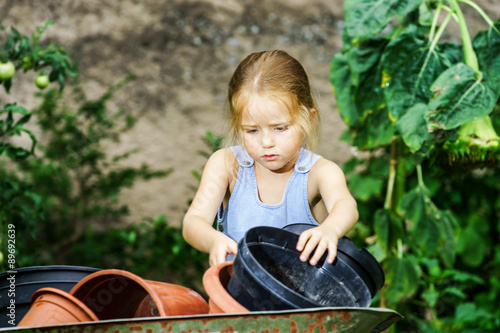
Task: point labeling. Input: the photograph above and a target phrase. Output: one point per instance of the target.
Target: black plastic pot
(361, 261)
(21, 285)
(268, 275)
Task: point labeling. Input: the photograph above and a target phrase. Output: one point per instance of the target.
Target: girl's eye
(281, 128)
(250, 130)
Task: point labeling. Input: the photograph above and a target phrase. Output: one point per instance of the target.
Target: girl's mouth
(270, 157)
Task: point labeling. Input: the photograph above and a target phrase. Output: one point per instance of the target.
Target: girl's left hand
(321, 239)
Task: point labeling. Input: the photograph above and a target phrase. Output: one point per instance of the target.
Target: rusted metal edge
(333, 319)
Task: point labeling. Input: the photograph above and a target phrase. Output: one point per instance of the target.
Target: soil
(183, 53)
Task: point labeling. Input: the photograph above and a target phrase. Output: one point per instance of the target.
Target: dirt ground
(184, 52)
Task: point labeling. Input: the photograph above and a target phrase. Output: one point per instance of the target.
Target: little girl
(270, 176)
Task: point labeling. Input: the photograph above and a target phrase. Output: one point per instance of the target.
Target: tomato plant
(426, 110)
(28, 53)
(55, 196)
(21, 202)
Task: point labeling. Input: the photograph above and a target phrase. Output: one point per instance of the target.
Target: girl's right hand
(221, 248)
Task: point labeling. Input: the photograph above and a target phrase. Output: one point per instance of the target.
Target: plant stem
(419, 176)
(435, 22)
(400, 248)
(434, 38)
(439, 33)
(400, 187)
(392, 176)
(469, 54)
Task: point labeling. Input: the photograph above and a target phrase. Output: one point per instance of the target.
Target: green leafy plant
(78, 180)
(29, 54)
(426, 111)
(64, 201)
(21, 203)
(437, 95)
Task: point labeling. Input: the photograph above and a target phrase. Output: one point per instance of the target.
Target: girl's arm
(197, 225)
(330, 181)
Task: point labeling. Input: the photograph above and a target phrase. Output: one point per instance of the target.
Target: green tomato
(42, 81)
(27, 63)
(7, 70)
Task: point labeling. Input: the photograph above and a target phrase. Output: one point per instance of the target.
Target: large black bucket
(268, 275)
(20, 285)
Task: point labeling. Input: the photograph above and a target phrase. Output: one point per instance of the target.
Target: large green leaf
(425, 14)
(471, 247)
(423, 227)
(459, 97)
(365, 19)
(378, 166)
(364, 58)
(356, 79)
(413, 127)
(448, 248)
(431, 229)
(471, 313)
(387, 228)
(410, 67)
(487, 48)
(364, 61)
(402, 279)
(365, 187)
(343, 85)
(412, 205)
(378, 131)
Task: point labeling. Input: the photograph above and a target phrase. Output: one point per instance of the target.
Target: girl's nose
(267, 140)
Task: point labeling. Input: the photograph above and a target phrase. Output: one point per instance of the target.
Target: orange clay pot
(215, 281)
(51, 306)
(113, 294)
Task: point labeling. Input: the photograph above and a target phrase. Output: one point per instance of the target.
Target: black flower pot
(268, 275)
(20, 285)
(361, 261)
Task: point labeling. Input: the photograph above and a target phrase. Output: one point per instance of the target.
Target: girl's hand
(321, 239)
(221, 248)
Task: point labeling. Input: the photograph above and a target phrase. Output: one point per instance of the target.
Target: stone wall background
(183, 53)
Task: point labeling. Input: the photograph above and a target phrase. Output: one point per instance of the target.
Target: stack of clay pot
(111, 294)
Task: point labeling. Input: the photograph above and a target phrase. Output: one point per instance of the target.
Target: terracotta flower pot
(113, 294)
(28, 280)
(52, 306)
(215, 281)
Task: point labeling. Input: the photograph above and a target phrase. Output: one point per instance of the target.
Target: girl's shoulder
(326, 170)
(324, 163)
(222, 159)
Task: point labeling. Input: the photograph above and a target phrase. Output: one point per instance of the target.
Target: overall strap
(244, 160)
(305, 161)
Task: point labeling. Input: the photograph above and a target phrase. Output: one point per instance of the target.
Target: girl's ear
(312, 113)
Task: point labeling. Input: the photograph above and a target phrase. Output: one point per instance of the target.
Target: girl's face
(270, 137)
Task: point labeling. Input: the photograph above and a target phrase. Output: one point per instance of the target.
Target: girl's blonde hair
(277, 75)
